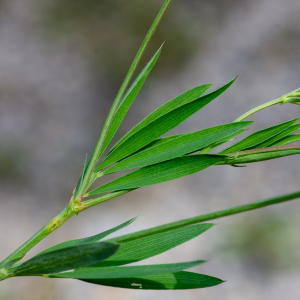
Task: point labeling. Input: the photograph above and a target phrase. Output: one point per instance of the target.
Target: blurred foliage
(10, 164)
(267, 244)
(109, 32)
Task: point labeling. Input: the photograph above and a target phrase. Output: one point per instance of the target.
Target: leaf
(129, 98)
(174, 147)
(169, 281)
(221, 141)
(258, 137)
(228, 138)
(159, 126)
(255, 157)
(66, 259)
(149, 246)
(152, 144)
(126, 272)
(169, 170)
(287, 140)
(98, 150)
(90, 239)
(274, 139)
(178, 101)
(81, 176)
(157, 116)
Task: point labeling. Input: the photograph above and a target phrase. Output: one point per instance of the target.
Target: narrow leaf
(287, 140)
(98, 150)
(91, 239)
(126, 272)
(180, 100)
(149, 246)
(169, 170)
(274, 139)
(169, 281)
(128, 99)
(221, 141)
(255, 157)
(66, 259)
(182, 144)
(159, 126)
(258, 137)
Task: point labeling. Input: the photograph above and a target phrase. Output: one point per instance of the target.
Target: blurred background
(61, 64)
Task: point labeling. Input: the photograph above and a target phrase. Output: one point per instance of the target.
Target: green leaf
(272, 141)
(90, 239)
(287, 140)
(129, 98)
(169, 281)
(255, 157)
(149, 246)
(169, 106)
(258, 137)
(66, 259)
(81, 176)
(221, 141)
(167, 120)
(165, 171)
(174, 147)
(98, 150)
(126, 272)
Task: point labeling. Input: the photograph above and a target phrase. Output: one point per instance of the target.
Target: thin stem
(92, 202)
(207, 217)
(98, 149)
(258, 108)
(55, 223)
(281, 100)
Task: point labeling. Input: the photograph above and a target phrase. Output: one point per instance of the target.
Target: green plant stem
(281, 100)
(258, 108)
(92, 202)
(55, 223)
(207, 217)
(99, 146)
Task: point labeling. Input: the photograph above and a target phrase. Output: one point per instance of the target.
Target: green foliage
(126, 272)
(99, 148)
(287, 140)
(175, 146)
(168, 281)
(255, 157)
(157, 160)
(258, 137)
(66, 259)
(159, 122)
(129, 98)
(91, 239)
(273, 141)
(165, 171)
(148, 246)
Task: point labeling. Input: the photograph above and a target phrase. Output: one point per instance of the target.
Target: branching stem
(281, 100)
(55, 223)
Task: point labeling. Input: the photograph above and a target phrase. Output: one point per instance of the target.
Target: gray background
(61, 63)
